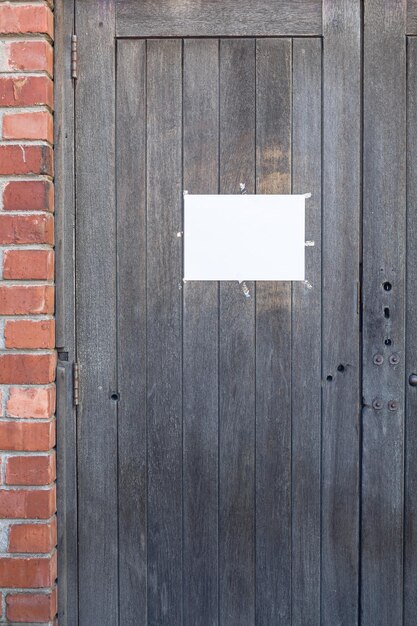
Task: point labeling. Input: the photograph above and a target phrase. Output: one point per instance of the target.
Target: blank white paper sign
(244, 237)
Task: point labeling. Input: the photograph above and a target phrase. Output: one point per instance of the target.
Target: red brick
(31, 402)
(28, 56)
(23, 159)
(29, 334)
(30, 470)
(33, 125)
(28, 265)
(37, 538)
(25, 504)
(27, 369)
(27, 437)
(26, 91)
(28, 195)
(27, 18)
(26, 300)
(28, 572)
(21, 229)
(31, 607)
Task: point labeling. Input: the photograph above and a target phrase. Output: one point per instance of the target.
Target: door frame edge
(64, 189)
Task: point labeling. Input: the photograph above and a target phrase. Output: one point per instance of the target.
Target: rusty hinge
(76, 383)
(74, 56)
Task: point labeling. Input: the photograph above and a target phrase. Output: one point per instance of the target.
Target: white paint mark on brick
(4, 536)
(2, 325)
(23, 152)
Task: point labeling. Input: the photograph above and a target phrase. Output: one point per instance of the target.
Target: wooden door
(221, 454)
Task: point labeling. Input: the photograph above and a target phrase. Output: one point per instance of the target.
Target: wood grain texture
(384, 232)
(65, 314)
(410, 537)
(96, 316)
(340, 322)
(411, 17)
(131, 319)
(64, 187)
(234, 18)
(273, 347)
(67, 495)
(164, 331)
(306, 339)
(200, 327)
(237, 351)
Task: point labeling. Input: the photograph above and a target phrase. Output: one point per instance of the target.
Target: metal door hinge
(76, 383)
(74, 57)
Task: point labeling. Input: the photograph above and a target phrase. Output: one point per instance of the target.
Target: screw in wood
(377, 404)
(378, 359)
(394, 359)
(393, 405)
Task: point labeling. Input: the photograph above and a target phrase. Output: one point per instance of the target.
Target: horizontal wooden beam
(235, 18)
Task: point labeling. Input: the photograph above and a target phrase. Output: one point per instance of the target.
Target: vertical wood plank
(65, 314)
(273, 347)
(384, 211)
(64, 179)
(410, 537)
(237, 351)
(164, 326)
(306, 340)
(131, 318)
(340, 322)
(96, 315)
(66, 495)
(200, 371)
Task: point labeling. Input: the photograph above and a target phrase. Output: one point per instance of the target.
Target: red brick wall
(27, 358)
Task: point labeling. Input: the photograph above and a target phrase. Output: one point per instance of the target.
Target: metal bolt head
(394, 359)
(412, 380)
(378, 359)
(377, 404)
(393, 405)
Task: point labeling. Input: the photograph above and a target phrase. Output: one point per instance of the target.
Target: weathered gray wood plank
(131, 318)
(410, 537)
(340, 325)
(64, 180)
(384, 230)
(200, 372)
(237, 351)
(237, 18)
(306, 340)
(64, 312)
(66, 495)
(411, 17)
(96, 315)
(273, 347)
(164, 331)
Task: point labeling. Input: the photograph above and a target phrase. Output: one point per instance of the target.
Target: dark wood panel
(200, 372)
(410, 537)
(384, 212)
(237, 351)
(96, 316)
(340, 325)
(131, 319)
(238, 18)
(164, 331)
(306, 339)
(273, 347)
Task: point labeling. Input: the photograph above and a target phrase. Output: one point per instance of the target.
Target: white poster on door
(244, 237)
